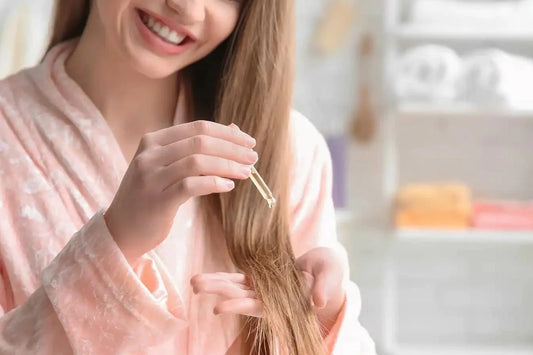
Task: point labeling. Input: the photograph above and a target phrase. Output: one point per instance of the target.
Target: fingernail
(227, 183)
(246, 170)
(234, 126)
(252, 156)
(252, 141)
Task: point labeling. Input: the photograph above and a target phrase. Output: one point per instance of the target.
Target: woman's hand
(322, 268)
(170, 166)
(234, 290)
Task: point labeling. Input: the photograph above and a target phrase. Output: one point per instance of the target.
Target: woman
(128, 223)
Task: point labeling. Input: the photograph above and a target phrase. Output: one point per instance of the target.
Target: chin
(152, 66)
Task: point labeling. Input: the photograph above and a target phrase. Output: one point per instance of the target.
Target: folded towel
(438, 205)
(492, 77)
(428, 73)
(434, 197)
(432, 219)
(503, 215)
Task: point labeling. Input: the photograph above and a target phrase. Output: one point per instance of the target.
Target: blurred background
(427, 107)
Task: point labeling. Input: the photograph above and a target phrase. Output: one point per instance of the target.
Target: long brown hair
(248, 80)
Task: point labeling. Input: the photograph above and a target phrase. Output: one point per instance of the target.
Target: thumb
(319, 290)
(309, 281)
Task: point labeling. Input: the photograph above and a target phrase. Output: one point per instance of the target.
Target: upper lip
(170, 24)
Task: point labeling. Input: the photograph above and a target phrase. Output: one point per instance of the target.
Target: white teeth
(174, 38)
(162, 30)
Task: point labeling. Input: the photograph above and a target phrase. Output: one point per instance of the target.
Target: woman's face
(160, 37)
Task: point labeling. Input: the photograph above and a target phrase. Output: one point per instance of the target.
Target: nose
(190, 11)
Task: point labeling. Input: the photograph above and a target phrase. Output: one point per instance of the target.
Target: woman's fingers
(177, 174)
(327, 273)
(236, 277)
(195, 128)
(207, 145)
(195, 159)
(245, 306)
(311, 269)
(223, 288)
(327, 285)
(234, 288)
(199, 186)
(320, 290)
(309, 281)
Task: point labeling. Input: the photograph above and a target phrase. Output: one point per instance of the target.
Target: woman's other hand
(322, 268)
(234, 291)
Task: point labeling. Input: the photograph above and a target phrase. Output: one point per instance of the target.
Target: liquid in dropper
(262, 187)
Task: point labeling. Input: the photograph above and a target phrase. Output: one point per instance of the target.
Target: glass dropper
(262, 187)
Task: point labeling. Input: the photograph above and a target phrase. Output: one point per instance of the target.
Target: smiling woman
(140, 130)
(120, 24)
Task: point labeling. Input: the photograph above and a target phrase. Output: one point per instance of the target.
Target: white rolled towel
(427, 73)
(24, 31)
(468, 14)
(494, 78)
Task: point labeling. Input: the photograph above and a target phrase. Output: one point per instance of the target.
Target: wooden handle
(336, 24)
(364, 122)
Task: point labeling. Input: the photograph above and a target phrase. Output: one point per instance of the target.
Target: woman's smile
(161, 35)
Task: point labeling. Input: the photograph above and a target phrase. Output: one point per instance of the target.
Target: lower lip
(158, 44)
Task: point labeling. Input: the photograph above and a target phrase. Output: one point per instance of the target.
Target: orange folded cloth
(504, 215)
(432, 219)
(439, 205)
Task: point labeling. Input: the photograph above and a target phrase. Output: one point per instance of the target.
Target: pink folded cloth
(505, 215)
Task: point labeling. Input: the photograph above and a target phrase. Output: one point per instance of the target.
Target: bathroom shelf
(464, 236)
(460, 350)
(419, 33)
(397, 36)
(458, 110)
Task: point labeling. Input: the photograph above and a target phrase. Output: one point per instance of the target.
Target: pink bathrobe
(65, 286)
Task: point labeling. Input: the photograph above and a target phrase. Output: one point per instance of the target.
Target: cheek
(111, 13)
(221, 24)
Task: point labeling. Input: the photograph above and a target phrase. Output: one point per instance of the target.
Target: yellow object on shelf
(439, 205)
(339, 17)
(431, 219)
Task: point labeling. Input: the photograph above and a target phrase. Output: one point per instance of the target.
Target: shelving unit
(461, 350)
(396, 36)
(418, 33)
(458, 110)
(464, 236)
